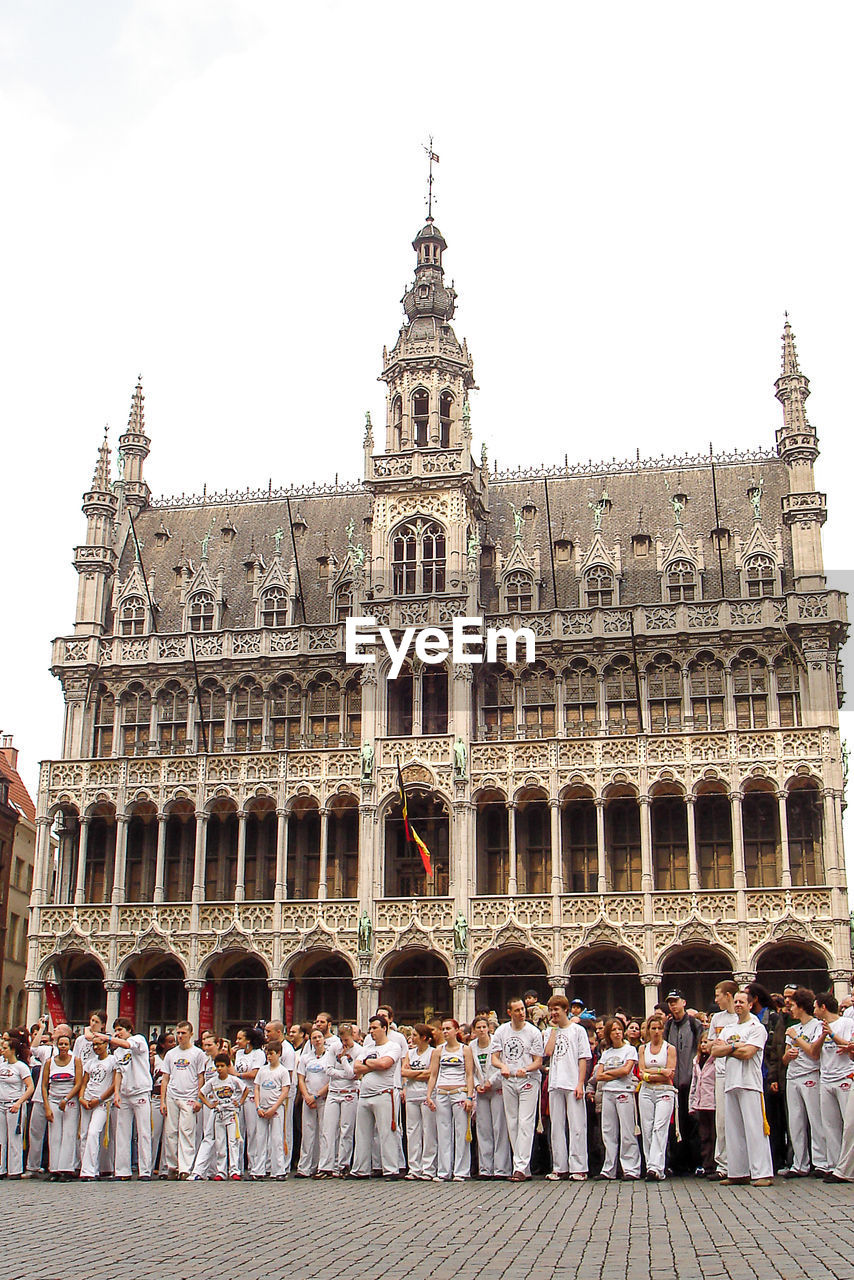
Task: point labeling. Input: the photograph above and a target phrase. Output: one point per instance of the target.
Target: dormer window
(343, 602)
(681, 581)
(519, 593)
(200, 611)
(420, 417)
(759, 574)
(274, 607)
(418, 559)
(132, 616)
(599, 587)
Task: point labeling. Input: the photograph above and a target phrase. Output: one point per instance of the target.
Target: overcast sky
(221, 195)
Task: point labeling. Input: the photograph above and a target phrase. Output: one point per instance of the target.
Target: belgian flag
(412, 836)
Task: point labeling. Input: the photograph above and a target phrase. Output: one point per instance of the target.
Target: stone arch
(792, 960)
(322, 981)
(606, 978)
(157, 978)
(429, 813)
(416, 984)
(80, 978)
(695, 968)
(241, 993)
(507, 972)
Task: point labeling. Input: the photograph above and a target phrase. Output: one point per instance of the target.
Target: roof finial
(790, 352)
(101, 478)
(432, 159)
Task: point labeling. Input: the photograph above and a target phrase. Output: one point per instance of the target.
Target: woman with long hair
(615, 1071)
(157, 1052)
(16, 1089)
(656, 1096)
(494, 1159)
(249, 1058)
(420, 1119)
(313, 1074)
(61, 1081)
(450, 1093)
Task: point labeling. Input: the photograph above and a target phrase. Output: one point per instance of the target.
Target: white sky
(222, 194)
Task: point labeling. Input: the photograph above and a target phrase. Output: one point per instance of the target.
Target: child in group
(701, 1104)
(224, 1094)
(99, 1085)
(272, 1085)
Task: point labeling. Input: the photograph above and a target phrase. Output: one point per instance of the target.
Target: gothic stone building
(656, 799)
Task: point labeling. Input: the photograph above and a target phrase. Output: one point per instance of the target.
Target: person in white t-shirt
(494, 1158)
(275, 1030)
(224, 1094)
(16, 1089)
(133, 1101)
(450, 1093)
(84, 1051)
(205, 1163)
(41, 1048)
(420, 1120)
(396, 1037)
(656, 1096)
(836, 1073)
(313, 1074)
(100, 1084)
(803, 1087)
(183, 1077)
(615, 1072)
(568, 1049)
(272, 1085)
(517, 1052)
(742, 1045)
(339, 1114)
(726, 1016)
(375, 1066)
(249, 1058)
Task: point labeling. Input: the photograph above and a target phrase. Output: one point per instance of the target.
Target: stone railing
(653, 620)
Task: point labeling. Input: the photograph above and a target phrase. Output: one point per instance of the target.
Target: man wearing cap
(683, 1032)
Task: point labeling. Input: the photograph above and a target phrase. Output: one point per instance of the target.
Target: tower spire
(792, 387)
(432, 159)
(134, 447)
(804, 509)
(101, 476)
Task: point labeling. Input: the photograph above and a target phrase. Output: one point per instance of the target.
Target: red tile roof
(18, 793)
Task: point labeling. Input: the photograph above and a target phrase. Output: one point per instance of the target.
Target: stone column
(240, 885)
(42, 860)
(277, 1000)
(693, 866)
(365, 988)
(324, 854)
(199, 859)
(35, 991)
(649, 982)
(80, 888)
(512, 875)
(557, 982)
(160, 865)
(194, 988)
(744, 976)
(841, 979)
(557, 851)
(739, 876)
(112, 987)
(602, 886)
(785, 862)
(121, 858)
(647, 876)
(281, 854)
(830, 839)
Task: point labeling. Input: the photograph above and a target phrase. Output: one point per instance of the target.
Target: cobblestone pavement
(681, 1230)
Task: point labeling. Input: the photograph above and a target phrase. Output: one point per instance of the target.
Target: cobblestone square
(680, 1230)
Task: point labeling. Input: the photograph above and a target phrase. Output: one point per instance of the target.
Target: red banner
(55, 1007)
(290, 990)
(206, 1008)
(127, 1002)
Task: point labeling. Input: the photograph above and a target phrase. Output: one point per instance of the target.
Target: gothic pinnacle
(136, 420)
(101, 478)
(790, 351)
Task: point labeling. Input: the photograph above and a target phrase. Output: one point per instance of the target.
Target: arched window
(396, 421)
(598, 587)
(420, 417)
(621, 706)
(750, 691)
(200, 611)
(538, 702)
(446, 404)
(324, 711)
(132, 616)
(759, 576)
(803, 819)
(274, 607)
(353, 713)
(623, 842)
(581, 697)
(580, 846)
(664, 691)
(343, 601)
(248, 722)
(706, 682)
(434, 699)
(172, 720)
(519, 592)
(681, 581)
(669, 843)
(499, 704)
(788, 690)
(105, 714)
(418, 559)
(213, 713)
(713, 822)
(400, 708)
(286, 709)
(760, 819)
(136, 720)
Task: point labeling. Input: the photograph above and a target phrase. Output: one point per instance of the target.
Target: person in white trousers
(205, 1163)
(339, 1114)
(725, 1017)
(276, 1031)
(16, 1089)
(517, 1052)
(248, 1060)
(420, 1119)
(375, 1067)
(615, 1072)
(836, 1073)
(61, 1082)
(132, 1103)
(450, 1093)
(41, 1048)
(183, 1077)
(157, 1053)
(313, 1073)
(656, 1097)
(748, 1149)
(100, 1082)
(568, 1049)
(272, 1085)
(803, 1087)
(224, 1094)
(494, 1158)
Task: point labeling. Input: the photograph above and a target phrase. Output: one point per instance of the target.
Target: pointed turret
(95, 560)
(804, 510)
(134, 447)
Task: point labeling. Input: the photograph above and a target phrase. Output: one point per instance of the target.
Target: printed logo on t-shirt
(514, 1049)
(561, 1047)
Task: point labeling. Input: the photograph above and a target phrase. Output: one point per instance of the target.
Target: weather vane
(432, 159)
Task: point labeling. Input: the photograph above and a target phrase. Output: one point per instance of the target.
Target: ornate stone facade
(656, 798)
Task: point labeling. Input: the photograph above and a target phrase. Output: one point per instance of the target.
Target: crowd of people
(761, 1086)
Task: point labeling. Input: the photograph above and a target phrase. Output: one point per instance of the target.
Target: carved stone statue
(461, 933)
(517, 522)
(277, 539)
(367, 757)
(473, 550)
(678, 507)
(459, 758)
(366, 933)
(756, 501)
